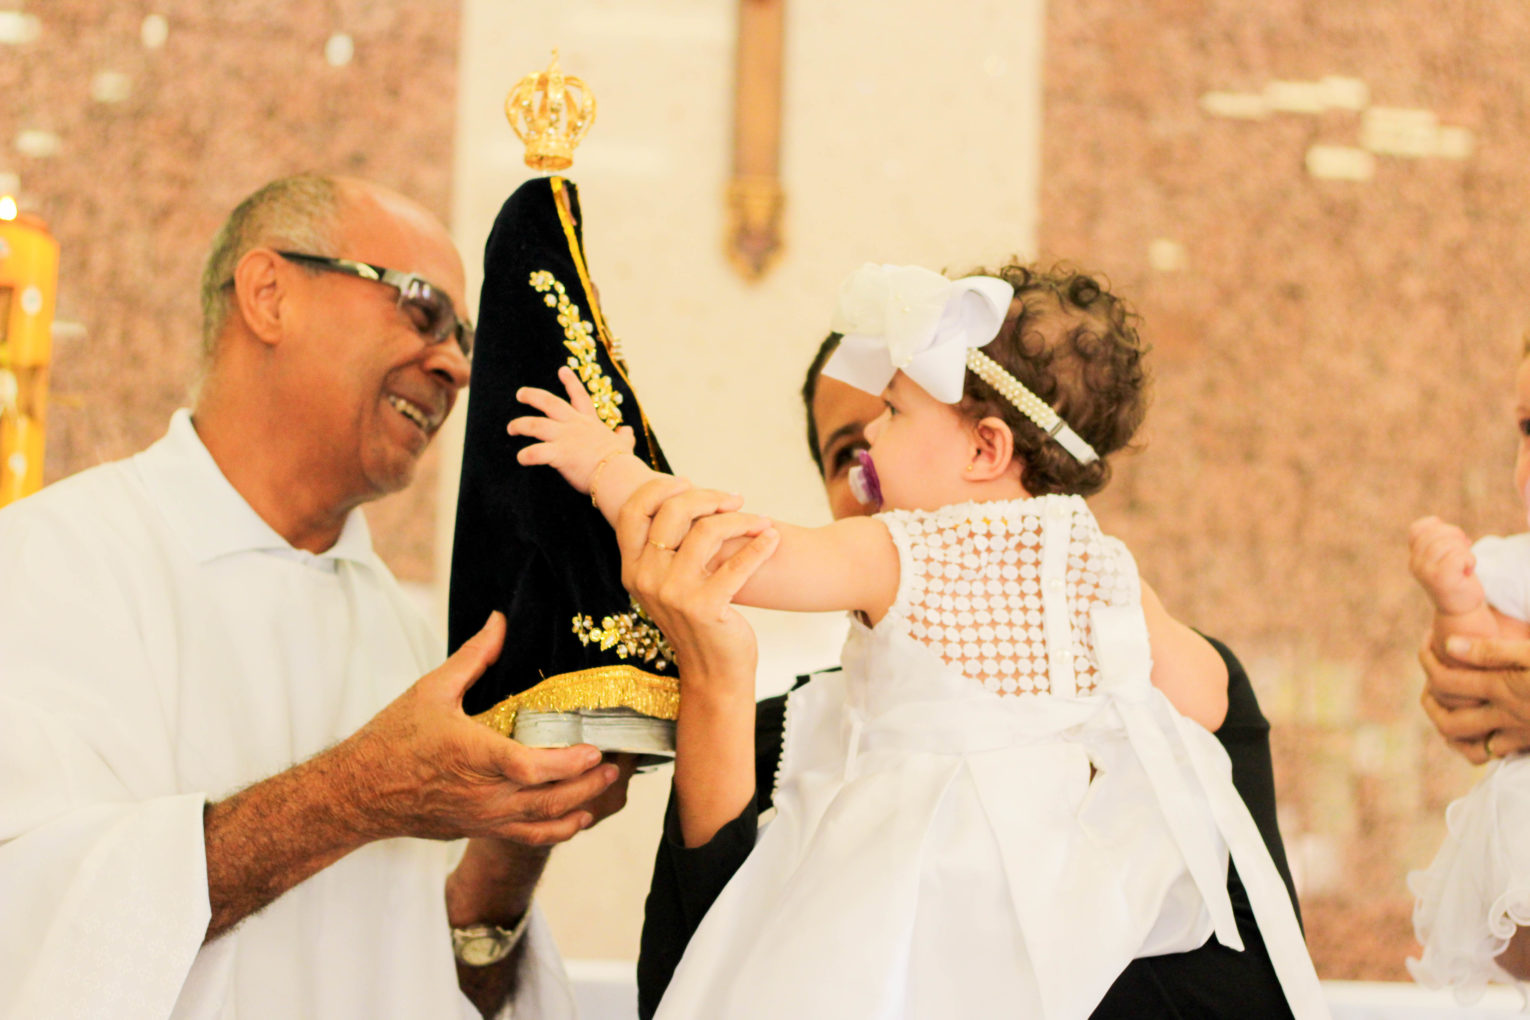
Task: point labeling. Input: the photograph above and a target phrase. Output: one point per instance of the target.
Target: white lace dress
(991, 806)
(1477, 891)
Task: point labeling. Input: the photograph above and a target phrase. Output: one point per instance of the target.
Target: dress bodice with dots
(980, 581)
(990, 806)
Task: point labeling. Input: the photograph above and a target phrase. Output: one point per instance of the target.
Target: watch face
(481, 950)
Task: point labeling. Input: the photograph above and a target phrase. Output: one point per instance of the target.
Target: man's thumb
(477, 653)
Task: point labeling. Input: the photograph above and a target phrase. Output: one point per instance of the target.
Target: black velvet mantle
(526, 542)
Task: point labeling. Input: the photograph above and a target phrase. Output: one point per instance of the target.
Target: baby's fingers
(536, 454)
(548, 403)
(1450, 558)
(544, 429)
(1423, 527)
(578, 396)
(1432, 546)
(1458, 563)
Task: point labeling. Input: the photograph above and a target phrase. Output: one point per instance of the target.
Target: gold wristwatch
(481, 945)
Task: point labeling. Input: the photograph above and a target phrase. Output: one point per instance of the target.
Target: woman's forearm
(714, 753)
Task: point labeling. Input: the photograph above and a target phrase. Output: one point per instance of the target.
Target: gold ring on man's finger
(1487, 745)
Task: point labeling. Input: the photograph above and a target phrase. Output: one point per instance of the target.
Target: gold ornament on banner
(28, 282)
(755, 198)
(550, 112)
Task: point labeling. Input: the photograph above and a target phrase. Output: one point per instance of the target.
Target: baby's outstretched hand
(572, 438)
(1440, 556)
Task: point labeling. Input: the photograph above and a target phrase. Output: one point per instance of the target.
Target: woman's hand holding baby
(682, 560)
(1477, 691)
(1479, 697)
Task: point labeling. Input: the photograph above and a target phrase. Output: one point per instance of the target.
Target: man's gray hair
(299, 213)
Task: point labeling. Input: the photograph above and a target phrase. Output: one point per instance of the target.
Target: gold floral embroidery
(579, 338)
(633, 635)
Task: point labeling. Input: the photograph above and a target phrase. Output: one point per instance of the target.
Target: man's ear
(259, 294)
(993, 449)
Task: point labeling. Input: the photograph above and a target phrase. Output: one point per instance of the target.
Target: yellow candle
(28, 283)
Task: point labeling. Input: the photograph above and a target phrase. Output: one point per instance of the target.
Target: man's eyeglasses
(428, 307)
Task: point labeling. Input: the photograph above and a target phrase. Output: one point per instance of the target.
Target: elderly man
(224, 781)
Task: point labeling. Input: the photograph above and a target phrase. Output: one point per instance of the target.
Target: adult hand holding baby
(673, 539)
(1478, 695)
(1478, 689)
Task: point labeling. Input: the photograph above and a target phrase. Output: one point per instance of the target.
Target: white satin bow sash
(1163, 739)
(915, 320)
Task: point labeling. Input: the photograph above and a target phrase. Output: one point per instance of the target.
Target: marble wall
(1316, 207)
(133, 129)
(1320, 210)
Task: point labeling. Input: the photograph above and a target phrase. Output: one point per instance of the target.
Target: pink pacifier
(864, 484)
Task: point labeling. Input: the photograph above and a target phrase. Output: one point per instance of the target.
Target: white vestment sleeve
(542, 990)
(106, 907)
(160, 647)
(103, 878)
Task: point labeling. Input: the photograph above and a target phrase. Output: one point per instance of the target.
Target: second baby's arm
(1440, 557)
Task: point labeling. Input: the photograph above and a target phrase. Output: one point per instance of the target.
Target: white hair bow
(912, 319)
(909, 319)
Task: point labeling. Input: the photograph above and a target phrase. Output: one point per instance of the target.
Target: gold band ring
(1487, 744)
(661, 546)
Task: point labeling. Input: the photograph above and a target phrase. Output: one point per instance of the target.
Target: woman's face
(841, 413)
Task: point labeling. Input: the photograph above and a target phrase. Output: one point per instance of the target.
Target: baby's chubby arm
(1185, 666)
(847, 565)
(1441, 560)
(1440, 557)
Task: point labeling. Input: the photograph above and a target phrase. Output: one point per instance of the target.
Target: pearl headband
(913, 320)
(1030, 405)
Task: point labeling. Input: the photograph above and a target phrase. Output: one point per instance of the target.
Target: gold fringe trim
(601, 687)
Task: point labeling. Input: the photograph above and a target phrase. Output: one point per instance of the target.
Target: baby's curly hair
(1075, 345)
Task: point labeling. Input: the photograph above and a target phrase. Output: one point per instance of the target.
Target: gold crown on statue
(550, 112)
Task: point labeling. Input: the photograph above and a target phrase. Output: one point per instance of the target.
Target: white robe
(160, 647)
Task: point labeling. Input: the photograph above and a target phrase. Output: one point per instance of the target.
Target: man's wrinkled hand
(423, 768)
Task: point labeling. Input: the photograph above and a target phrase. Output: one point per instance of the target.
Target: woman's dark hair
(1075, 345)
(810, 390)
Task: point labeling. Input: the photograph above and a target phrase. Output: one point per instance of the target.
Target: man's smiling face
(377, 391)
